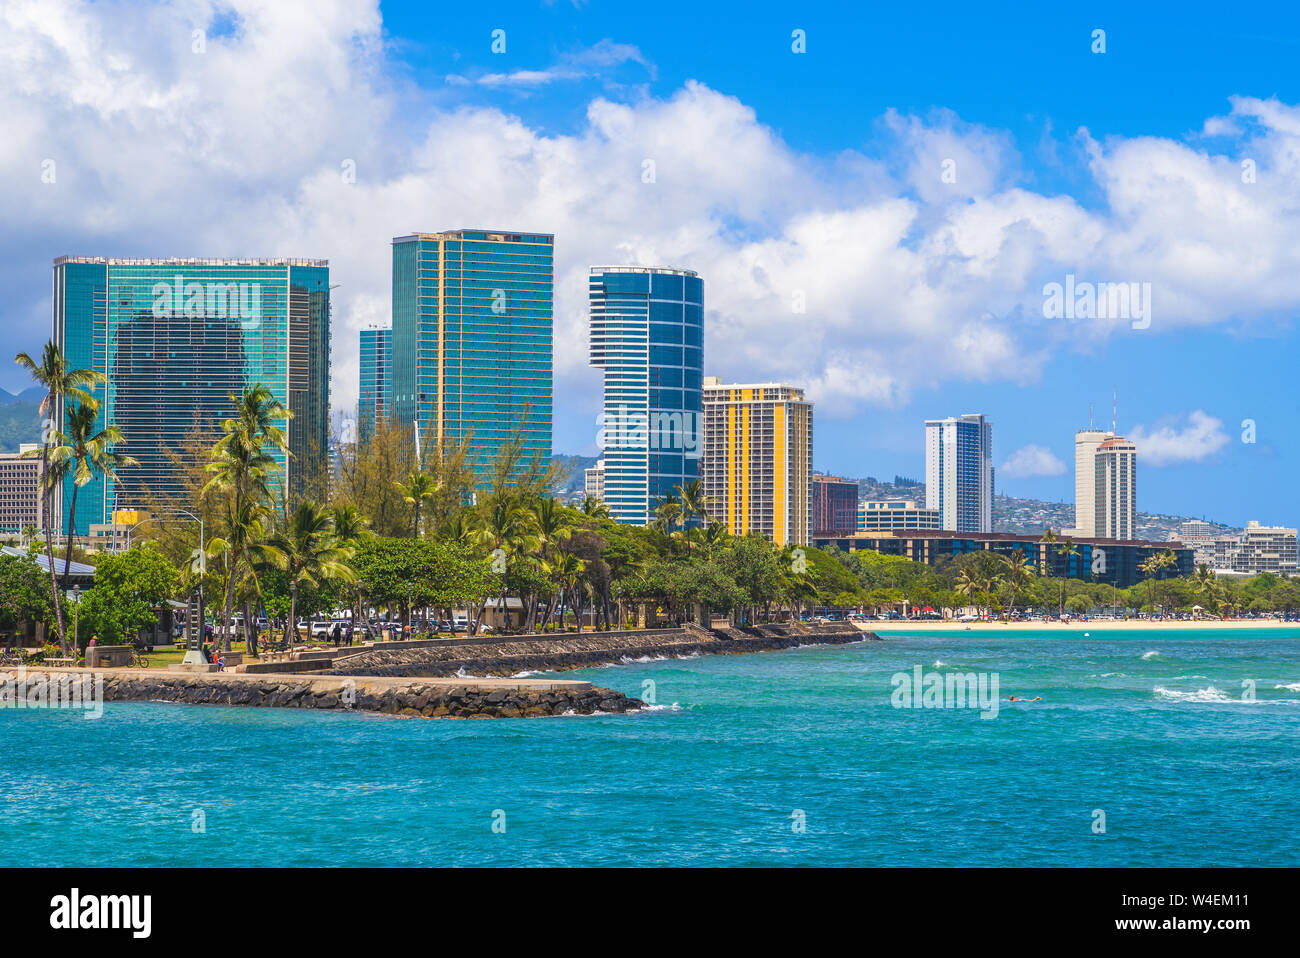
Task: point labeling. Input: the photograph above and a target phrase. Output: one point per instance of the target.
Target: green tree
(310, 554)
(25, 592)
(82, 452)
(61, 384)
(129, 590)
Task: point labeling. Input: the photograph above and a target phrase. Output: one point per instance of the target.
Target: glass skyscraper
(375, 396)
(472, 339)
(647, 334)
(175, 337)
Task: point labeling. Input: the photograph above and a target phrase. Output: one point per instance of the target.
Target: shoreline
(1232, 625)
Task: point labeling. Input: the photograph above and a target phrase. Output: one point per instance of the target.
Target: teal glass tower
(647, 334)
(472, 339)
(174, 338)
(375, 393)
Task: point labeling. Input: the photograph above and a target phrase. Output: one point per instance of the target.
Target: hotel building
(472, 340)
(835, 505)
(21, 502)
(1110, 561)
(1266, 549)
(175, 338)
(959, 472)
(593, 484)
(758, 442)
(375, 375)
(647, 336)
(895, 515)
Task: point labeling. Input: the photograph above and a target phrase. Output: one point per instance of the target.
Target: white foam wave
(1293, 687)
(1148, 656)
(1207, 694)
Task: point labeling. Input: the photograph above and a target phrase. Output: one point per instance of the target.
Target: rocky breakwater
(512, 655)
(431, 698)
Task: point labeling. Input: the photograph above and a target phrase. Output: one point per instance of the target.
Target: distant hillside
(573, 469)
(30, 394)
(20, 421)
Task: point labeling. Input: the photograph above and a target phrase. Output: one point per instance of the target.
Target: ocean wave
(1148, 656)
(938, 664)
(1207, 694)
(1293, 687)
(661, 708)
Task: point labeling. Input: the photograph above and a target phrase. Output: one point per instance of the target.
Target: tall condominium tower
(176, 337)
(375, 393)
(758, 442)
(647, 334)
(1086, 442)
(1115, 484)
(959, 472)
(472, 339)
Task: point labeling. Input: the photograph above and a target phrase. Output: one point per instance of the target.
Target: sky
(879, 200)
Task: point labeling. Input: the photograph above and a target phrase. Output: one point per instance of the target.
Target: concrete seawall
(510, 655)
(428, 698)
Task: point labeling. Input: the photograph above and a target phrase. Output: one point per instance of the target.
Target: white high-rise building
(1115, 485)
(1086, 442)
(959, 472)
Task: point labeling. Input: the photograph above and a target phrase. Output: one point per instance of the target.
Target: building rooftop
(670, 270)
(191, 261)
(496, 236)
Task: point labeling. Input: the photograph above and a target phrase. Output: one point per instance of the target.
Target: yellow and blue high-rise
(472, 339)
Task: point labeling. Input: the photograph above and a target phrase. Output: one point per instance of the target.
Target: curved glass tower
(647, 334)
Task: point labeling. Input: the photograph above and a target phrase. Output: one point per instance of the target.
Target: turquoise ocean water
(1149, 728)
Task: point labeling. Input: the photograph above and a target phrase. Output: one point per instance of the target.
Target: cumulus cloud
(1032, 460)
(1190, 438)
(864, 279)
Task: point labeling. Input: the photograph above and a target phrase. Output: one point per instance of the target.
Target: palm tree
(352, 529)
(1019, 572)
(1205, 584)
(1067, 549)
(694, 505)
(667, 513)
(566, 569)
(418, 487)
(82, 453)
(60, 384)
(596, 508)
(310, 554)
(968, 585)
(243, 465)
(506, 527)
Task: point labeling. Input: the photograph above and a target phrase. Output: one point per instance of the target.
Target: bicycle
(137, 660)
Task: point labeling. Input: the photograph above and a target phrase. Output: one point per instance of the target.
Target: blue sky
(777, 173)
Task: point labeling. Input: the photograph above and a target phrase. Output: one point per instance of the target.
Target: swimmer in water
(1012, 698)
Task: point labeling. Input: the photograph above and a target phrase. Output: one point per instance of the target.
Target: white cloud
(1192, 438)
(906, 282)
(1032, 460)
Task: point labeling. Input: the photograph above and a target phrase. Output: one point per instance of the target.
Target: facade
(375, 392)
(594, 480)
(1086, 442)
(896, 515)
(21, 503)
(835, 505)
(1266, 549)
(472, 340)
(175, 338)
(959, 472)
(647, 336)
(758, 441)
(1110, 561)
(1116, 489)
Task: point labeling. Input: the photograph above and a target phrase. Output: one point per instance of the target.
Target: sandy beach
(1074, 626)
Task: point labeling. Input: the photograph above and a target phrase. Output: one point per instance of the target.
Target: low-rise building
(891, 515)
(1114, 562)
(594, 480)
